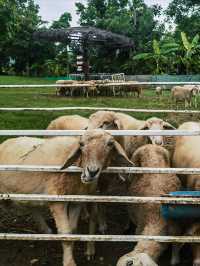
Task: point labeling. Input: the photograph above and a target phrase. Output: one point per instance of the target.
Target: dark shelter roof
(89, 34)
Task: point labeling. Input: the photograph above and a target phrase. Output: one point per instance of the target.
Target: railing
(98, 199)
(99, 85)
(126, 170)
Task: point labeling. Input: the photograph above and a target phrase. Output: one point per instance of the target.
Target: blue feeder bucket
(173, 211)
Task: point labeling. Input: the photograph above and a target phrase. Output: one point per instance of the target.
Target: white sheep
(187, 155)
(113, 121)
(68, 122)
(184, 94)
(159, 91)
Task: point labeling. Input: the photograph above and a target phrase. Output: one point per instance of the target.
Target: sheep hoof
(140, 259)
(90, 252)
(90, 257)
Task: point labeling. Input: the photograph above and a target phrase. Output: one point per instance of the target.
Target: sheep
(94, 152)
(63, 91)
(76, 122)
(108, 120)
(136, 90)
(68, 122)
(113, 121)
(147, 217)
(186, 155)
(119, 121)
(159, 91)
(184, 94)
(92, 90)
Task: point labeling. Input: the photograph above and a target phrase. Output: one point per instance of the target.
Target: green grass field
(45, 97)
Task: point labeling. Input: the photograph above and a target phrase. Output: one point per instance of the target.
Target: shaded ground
(22, 253)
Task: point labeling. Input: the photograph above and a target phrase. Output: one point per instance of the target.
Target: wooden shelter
(86, 36)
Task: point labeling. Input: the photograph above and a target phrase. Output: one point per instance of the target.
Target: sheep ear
(136, 158)
(167, 125)
(117, 123)
(121, 157)
(144, 127)
(73, 155)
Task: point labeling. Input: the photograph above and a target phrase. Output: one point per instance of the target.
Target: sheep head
(97, 149)
(105, 120)
(155, 123)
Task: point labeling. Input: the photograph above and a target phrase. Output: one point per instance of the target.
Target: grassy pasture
(45, 97)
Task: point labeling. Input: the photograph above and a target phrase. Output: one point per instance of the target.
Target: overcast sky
(52, 9)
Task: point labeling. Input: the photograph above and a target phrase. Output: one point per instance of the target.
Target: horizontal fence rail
(100, 199)
(99, 85)
(98, 238)
(116, 170)
(59, 109)
(51, 133)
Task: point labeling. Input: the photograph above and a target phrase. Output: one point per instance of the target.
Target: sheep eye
(111, 143)
(81, 144)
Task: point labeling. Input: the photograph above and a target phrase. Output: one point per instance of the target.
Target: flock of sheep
(93, 152)
(184, 93)
(96, 88)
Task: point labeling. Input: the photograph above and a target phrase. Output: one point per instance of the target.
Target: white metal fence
(99, 199)
(109, 199)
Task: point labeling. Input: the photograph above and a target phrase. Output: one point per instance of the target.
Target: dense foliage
(171, 46)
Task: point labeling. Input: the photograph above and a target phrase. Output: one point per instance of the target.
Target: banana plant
(190, 49)
(159, 55)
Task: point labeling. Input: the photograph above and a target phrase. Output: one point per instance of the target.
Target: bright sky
(52, 9)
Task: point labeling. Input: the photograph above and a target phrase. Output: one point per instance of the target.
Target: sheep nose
(129, 263)
(93, 172)
(159, 142)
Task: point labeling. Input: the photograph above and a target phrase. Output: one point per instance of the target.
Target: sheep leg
(40, 221)
(90, 249)
(60, 216)
(175, 259)
(113, 89)
(101, 216)
(195, 102)
(97, 214)
(196, 254)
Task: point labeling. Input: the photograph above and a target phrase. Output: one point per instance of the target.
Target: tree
(186, 15)
(20, 19)
(191, 52)
(62, 22)
(62, 63)
(159, 56)
(132, 18)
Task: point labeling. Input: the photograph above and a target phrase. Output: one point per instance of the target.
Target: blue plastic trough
(173, 211)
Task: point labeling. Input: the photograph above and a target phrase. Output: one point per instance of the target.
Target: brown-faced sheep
(147, 217)
(94, 152)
